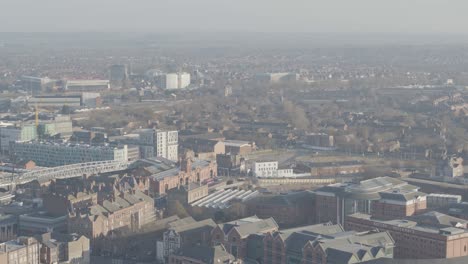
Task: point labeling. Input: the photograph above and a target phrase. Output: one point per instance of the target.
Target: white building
(269, 169)
(158, 143)
(266, 168)
(178, 80)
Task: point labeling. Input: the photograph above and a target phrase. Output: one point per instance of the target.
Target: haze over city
(361, 16)
(233, 132)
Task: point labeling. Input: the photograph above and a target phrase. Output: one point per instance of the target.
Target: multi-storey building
(158, 143)
(23, 250)
(185, 233)
(179, 80)
(64, 248)
(12, 133)
(265, 168)
(188, 172)
(325, 243)
(127, 210)
(383, 197)
(58, 154)
(118, 74)
(428, 236)
(8, 227)
(61, 125)
(292, 209)
(437, 200)
(269, 169)
(36, 85)
(234, 236)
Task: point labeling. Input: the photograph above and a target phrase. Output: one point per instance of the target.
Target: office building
(383, 197)
(179, 80)
(16, 133)
(118, 74)
(61, 126)
(50, 154)
(36, 85)
(158, 143)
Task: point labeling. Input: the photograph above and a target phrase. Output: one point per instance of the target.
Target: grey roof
(182, 222)
(369, 189)
(176, 171)
(461, 260)
(401, 195)
(283, 199)
(250, 225)
(208, 255)
(428, 227)
(437, 219)
(195, 226)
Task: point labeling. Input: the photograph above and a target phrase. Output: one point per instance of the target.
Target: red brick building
(189, 171)
(292, 209)
(234, 235)
(430, 236)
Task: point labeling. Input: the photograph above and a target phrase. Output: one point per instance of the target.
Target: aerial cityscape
(249, 145)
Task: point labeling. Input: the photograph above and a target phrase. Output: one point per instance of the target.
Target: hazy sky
(396, 16)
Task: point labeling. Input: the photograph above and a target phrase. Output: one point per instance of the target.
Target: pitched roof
(250, 225)
(208, 255)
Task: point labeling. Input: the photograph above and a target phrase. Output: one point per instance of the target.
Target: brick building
(129, 211)
(431, 236)
(325, 243)
(238, 147)
(23, 250)
(188, 172)
(64, 248)
(383, 197)
(234, 236)
(188, 194)
(203, 255)
(292, 209)
(186, 233)
(204, 148)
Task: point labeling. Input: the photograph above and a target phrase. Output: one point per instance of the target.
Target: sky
(322, 16)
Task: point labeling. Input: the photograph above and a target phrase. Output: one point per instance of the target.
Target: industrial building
(87, 85)
(221, 199)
